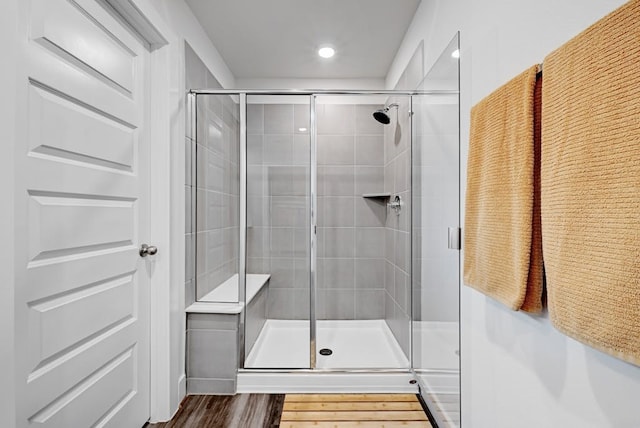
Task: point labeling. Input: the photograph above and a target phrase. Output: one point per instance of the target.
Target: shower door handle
(454, 238)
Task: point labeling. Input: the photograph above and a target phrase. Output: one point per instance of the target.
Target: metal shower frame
(312, 94)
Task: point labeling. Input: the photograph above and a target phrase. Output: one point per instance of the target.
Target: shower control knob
(147, 250)
(396, 204)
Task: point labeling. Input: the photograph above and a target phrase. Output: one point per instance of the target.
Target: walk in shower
(317, 220)
(332, 218)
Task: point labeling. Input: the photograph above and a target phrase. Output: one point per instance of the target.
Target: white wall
(517, 370)
(179, 17)
(8, 35)
(435, 22)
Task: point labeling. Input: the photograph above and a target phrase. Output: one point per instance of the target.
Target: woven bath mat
(591, 184)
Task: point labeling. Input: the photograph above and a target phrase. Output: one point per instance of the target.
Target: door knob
(147, 250)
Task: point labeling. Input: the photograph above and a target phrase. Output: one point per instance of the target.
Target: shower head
(382, 115)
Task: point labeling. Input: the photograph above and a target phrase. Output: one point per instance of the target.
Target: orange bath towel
(591, 184)
(502, 239)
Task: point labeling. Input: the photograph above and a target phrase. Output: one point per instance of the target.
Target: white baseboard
(182, 386)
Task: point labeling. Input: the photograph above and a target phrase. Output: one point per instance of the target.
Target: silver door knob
(147, 250)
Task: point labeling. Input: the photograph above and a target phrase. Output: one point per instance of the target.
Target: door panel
(56, 25)
(69, 224)
(63, 127)
(363, 253)
(277, 323)
(82, 194)
(60, 323)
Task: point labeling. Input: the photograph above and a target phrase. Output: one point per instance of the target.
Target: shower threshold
(323, 382)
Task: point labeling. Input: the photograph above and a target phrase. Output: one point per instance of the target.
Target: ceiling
(280, 38)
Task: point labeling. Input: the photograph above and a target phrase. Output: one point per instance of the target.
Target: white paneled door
(82, 183)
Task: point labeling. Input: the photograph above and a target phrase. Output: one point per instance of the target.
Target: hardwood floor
(299, 411)
(227, 411)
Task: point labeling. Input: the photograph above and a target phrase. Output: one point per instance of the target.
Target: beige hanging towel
(502, 238)
(590, 181)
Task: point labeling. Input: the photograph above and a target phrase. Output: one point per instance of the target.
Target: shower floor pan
(284, 344)
(365, 358)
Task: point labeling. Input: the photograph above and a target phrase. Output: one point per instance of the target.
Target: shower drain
(326, 351)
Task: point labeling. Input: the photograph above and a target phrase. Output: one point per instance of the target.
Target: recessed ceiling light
(302, 129)
(326, 52)
(455, 54)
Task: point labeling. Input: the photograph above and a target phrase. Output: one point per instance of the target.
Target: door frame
(8, 135)
(164, 116)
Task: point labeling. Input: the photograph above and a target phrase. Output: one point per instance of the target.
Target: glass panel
(435, 209)
(277, 327)
(363, 247)
(217, 197)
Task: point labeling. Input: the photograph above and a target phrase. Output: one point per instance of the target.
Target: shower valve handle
(396, 204)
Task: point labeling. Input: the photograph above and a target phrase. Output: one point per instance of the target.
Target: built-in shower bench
(215, 336)
(224, 298)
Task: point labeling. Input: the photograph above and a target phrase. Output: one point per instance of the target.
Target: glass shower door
(363, 297)
(435, 238)
(277, 316)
